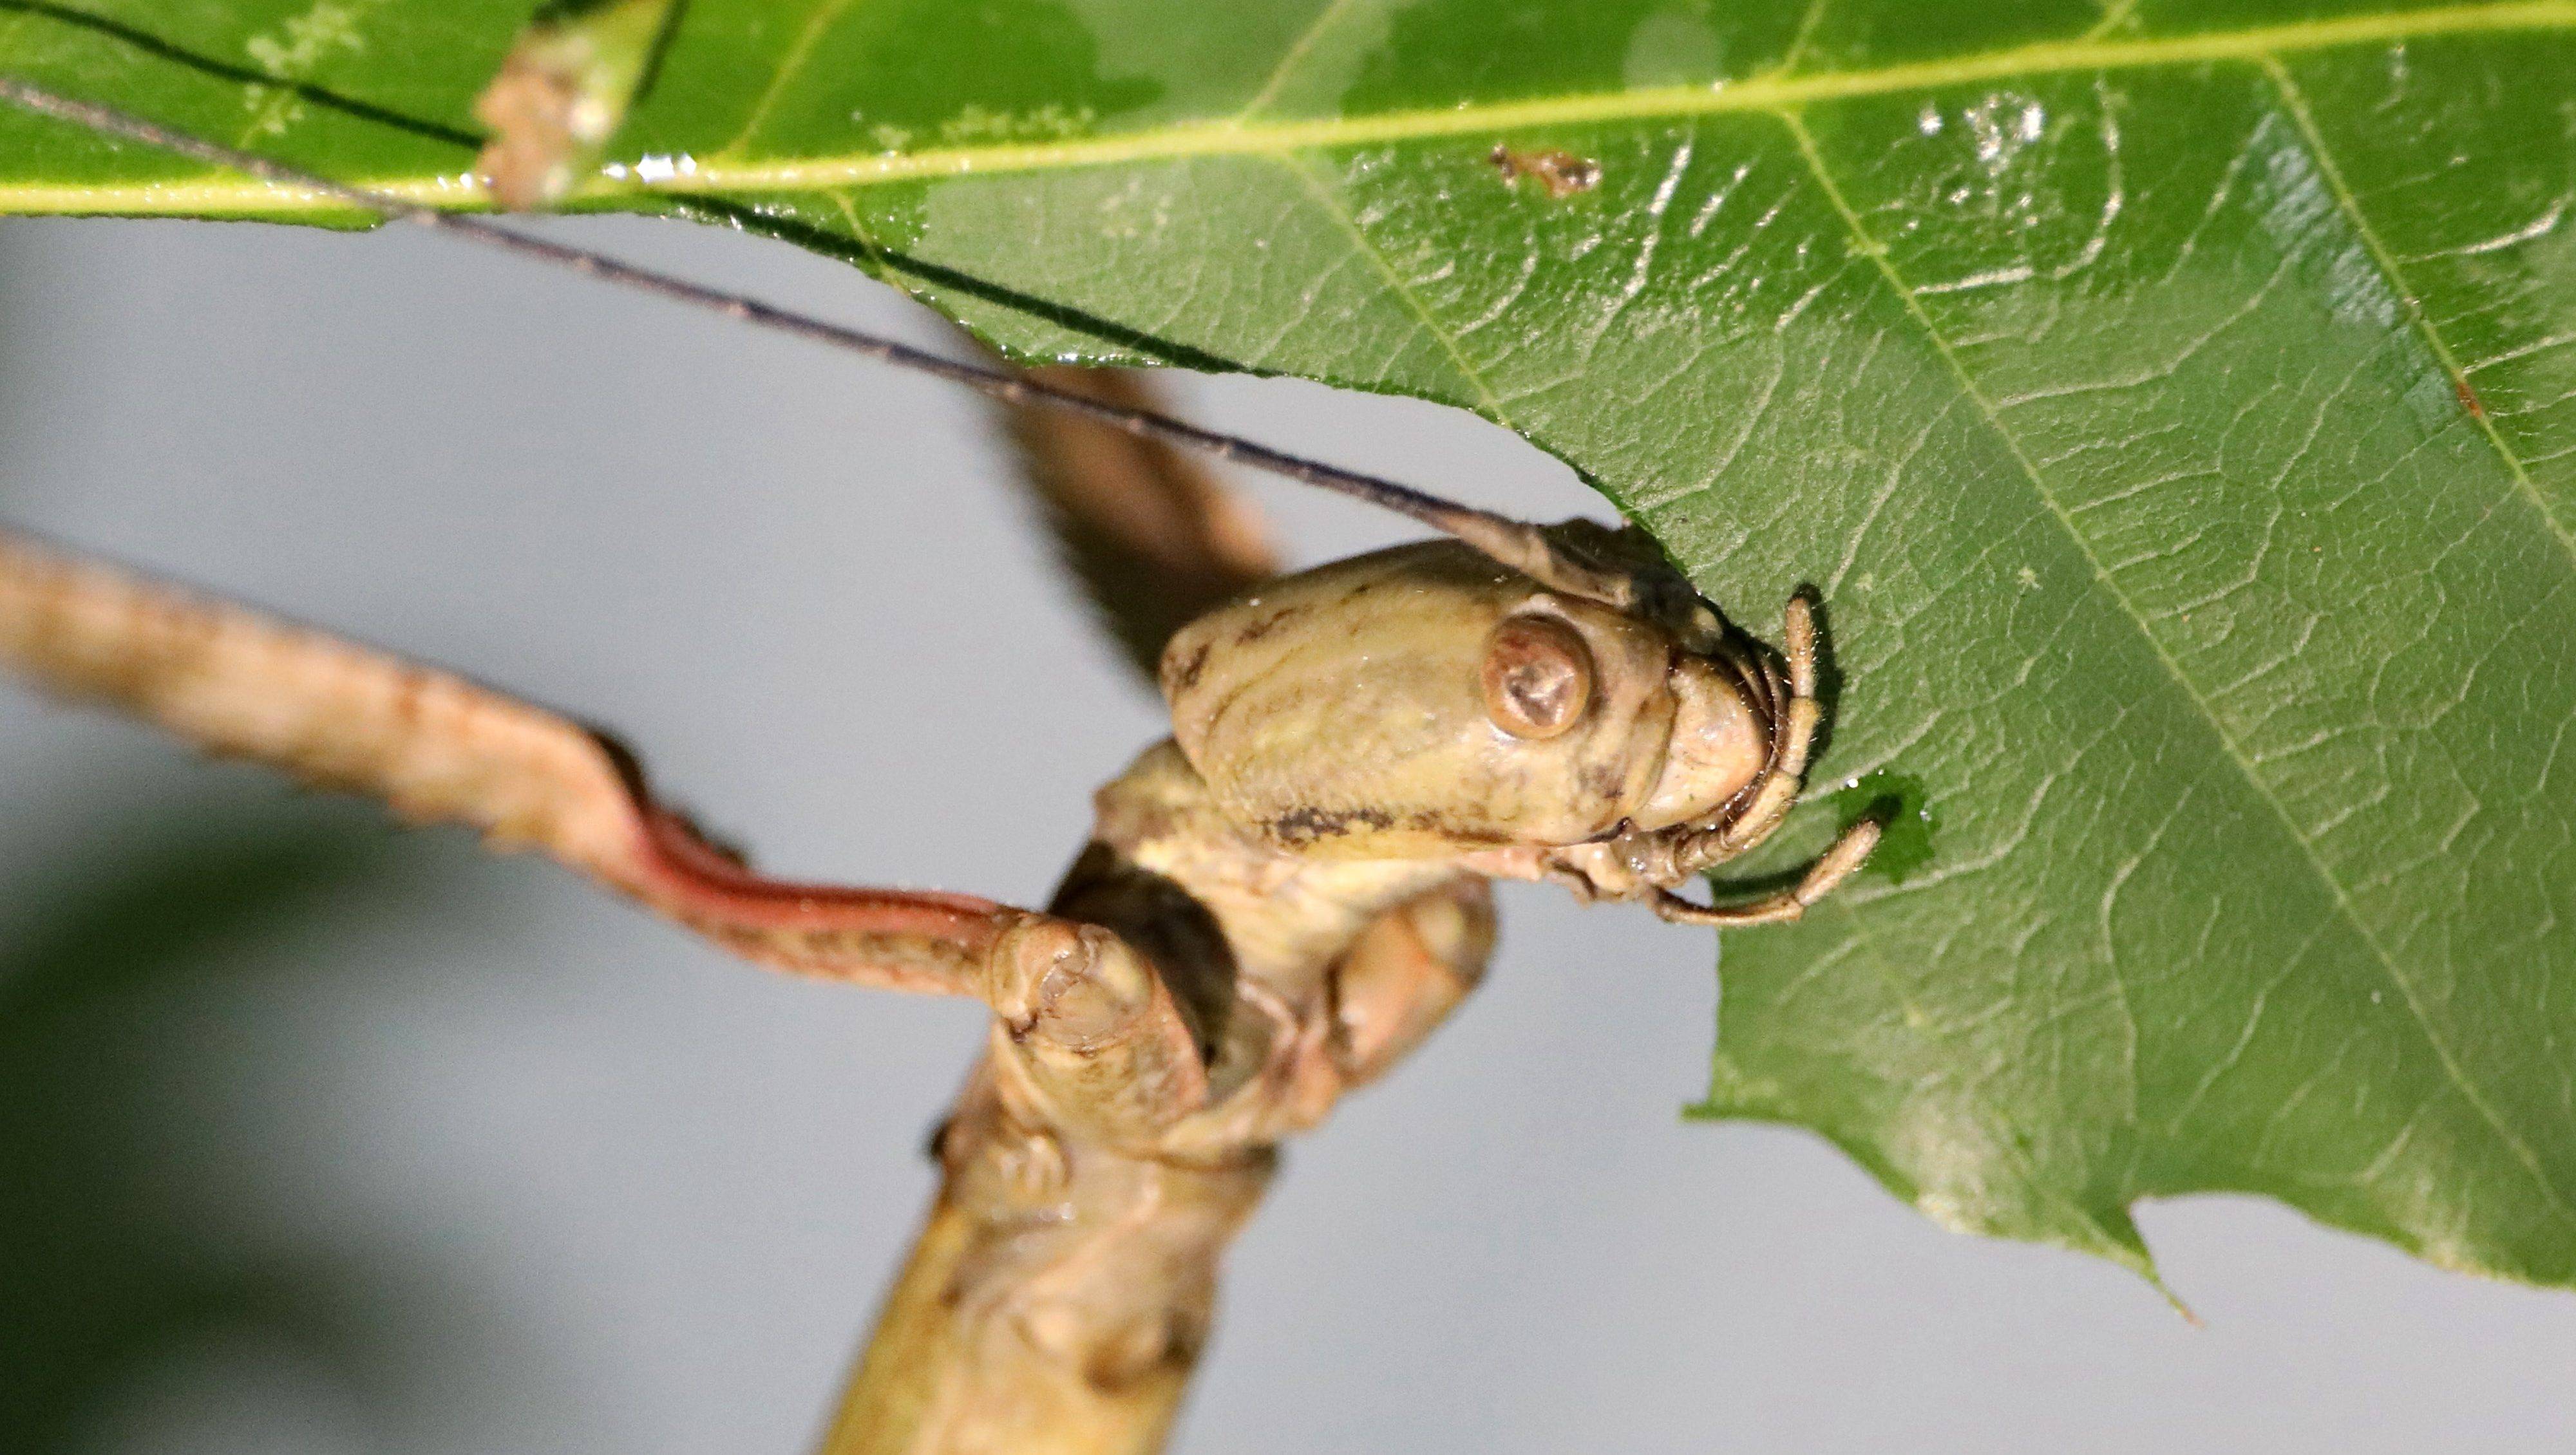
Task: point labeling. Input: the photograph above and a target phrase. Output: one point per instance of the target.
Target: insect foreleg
(1835, 865)
(1796, 718)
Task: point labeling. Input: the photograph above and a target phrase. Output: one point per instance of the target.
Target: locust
(1277, 903)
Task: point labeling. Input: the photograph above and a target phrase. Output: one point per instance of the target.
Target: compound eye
(1538, 677)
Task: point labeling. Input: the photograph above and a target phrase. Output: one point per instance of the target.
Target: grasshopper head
(1424, 701)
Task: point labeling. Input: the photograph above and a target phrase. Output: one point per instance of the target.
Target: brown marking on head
(1181, 673)
(1306, 825)
(1260, 627)
(1448, 827)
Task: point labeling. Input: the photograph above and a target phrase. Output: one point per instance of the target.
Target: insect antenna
(1517, 544)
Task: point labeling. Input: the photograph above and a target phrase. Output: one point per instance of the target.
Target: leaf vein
(2297, 103)
(1404, 292)
(1218, 137)
(1864, 242)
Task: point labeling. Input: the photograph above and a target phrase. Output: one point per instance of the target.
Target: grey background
(580, 1184)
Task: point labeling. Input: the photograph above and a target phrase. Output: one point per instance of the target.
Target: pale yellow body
(1276, 906)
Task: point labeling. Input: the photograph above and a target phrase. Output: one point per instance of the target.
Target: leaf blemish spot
(1560, 173)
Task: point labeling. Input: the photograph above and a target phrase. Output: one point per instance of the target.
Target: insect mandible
(1276, 904)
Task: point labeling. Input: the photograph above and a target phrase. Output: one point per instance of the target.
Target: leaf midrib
(1769, 93)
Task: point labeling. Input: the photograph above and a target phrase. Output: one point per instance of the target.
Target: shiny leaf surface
(2175, 403)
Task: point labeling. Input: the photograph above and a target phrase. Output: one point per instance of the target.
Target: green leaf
(2175, 403)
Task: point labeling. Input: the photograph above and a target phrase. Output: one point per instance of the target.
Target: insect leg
(437, 748)
(1797, 717)
(1086, 1032)
(1154, 540)
(1847, 854)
